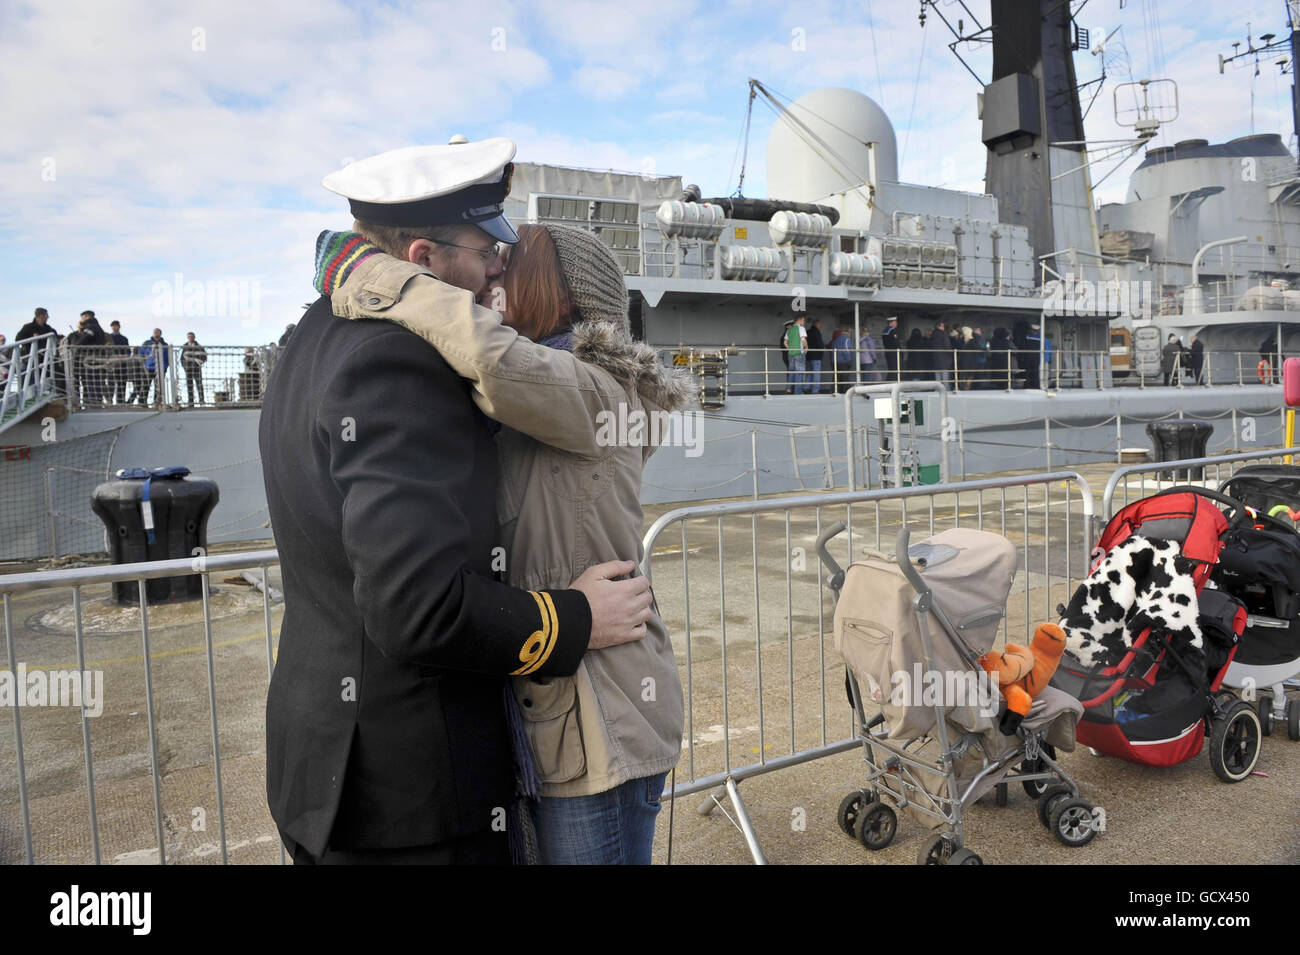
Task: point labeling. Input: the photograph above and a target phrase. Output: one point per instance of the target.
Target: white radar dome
(801, 169)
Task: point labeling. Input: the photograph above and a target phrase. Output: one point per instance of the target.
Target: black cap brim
(499, 228)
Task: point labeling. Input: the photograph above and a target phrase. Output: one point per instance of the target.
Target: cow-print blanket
(1141, 583)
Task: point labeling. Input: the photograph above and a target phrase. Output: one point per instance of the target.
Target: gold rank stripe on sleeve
(537, 648)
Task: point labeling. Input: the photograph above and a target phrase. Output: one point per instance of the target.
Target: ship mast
(1271, 43)
(1037, 163)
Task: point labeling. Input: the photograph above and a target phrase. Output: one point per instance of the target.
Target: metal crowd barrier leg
(85, 725)
(746, 826)
(212, 709)
(722, 605)
(690, 669)
(153, 729)
(18, 736)
(270, 659)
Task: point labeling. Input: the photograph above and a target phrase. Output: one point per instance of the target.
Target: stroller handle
(905, 562)
(1240, 514)
(837, 572)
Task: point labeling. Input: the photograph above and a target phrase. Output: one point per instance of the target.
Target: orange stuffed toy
(1023, 671)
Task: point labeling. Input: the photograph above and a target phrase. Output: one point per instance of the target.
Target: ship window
(615, 211)
(848, 243)
(577, 210)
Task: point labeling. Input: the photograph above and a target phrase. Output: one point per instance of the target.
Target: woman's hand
(619, 608)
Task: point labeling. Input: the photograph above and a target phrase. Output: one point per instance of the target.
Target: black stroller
(1260, 566)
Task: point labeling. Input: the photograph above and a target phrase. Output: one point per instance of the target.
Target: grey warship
(1206, 244)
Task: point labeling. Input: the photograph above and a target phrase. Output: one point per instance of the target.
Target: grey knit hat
(593, 275)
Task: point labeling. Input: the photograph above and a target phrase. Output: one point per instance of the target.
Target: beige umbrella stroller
(911, 627)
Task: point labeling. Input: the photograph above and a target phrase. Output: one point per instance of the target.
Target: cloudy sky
(148, 143)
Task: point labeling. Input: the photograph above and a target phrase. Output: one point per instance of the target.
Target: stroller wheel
(850, 806)
(936, 850)
(1037, 787)
(1293, 719)
(1265, 705)
(876, 825)
(1050, 799)
(1073, 823)
(965, 857)
(1234, 743)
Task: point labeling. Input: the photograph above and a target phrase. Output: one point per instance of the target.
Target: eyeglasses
(488, 254)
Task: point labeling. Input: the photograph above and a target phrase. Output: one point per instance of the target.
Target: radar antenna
(783, 109)
(1269, 44)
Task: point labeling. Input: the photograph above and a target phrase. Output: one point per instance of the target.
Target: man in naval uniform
(387, 737)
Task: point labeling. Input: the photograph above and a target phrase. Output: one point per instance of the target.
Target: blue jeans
(814, 376)
(797, 373)
(616, 827)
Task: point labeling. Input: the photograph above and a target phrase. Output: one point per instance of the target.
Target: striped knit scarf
(337, 254)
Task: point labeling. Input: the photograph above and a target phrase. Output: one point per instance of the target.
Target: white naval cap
(460, 183)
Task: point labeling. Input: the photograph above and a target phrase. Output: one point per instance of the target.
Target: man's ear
(420, 252)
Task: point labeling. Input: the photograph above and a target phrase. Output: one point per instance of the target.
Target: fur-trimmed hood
(606, 345)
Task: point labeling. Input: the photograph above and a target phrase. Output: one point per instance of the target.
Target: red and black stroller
(1149, 643)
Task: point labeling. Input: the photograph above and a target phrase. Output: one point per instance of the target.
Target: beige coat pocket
(550, 709)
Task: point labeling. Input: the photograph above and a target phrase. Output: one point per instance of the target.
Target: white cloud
(208, 161)
(603, 82)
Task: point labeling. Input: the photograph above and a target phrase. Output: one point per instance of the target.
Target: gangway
(28, 377)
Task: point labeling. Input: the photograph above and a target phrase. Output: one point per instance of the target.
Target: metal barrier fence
(14, 585)
(773, 571)
(1120, 483)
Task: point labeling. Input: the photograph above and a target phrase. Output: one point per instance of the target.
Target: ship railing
(30, 376)
(747, 601)
(182, 830)
(766, 370)
(169, 376)
(1235, 295)
(1216, 367)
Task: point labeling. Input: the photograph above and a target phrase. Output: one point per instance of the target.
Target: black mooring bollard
(156, 514)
